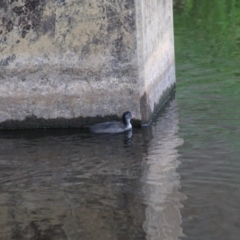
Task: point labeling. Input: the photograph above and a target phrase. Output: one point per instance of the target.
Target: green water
(207, 38)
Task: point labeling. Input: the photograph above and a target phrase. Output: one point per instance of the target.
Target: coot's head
(126, 117)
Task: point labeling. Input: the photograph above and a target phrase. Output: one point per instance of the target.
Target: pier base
(71, 63)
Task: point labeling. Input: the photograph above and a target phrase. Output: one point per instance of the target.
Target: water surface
(71, 184)
(207, 58)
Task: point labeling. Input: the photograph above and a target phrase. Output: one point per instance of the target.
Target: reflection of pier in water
(160, 179)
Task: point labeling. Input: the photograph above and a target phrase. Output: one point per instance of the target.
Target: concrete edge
(40, 123)
(81, 122)
(165, 98)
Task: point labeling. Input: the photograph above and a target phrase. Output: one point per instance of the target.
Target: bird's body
(114, 127)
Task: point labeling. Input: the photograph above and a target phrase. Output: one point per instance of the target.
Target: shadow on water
(71, 184)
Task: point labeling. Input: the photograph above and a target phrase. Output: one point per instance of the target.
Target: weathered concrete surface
(62, 60)
(155, 54)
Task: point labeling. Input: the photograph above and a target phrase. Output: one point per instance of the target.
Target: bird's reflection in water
(128, 138)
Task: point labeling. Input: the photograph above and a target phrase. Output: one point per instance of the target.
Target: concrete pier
(65, 62)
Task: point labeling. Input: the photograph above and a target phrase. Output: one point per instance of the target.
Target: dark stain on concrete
(18, 10)
(48, 25)
(145, 109)
(7, 23)
(114, 22)
(12, 1)
(86, 48)
(5, 62)
(146, 112)
(4, 5)
(118, 48)
(29, 15)
(61, 2)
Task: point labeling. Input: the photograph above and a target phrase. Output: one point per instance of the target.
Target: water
(207, 55)
(176, 179)
(71, 184)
